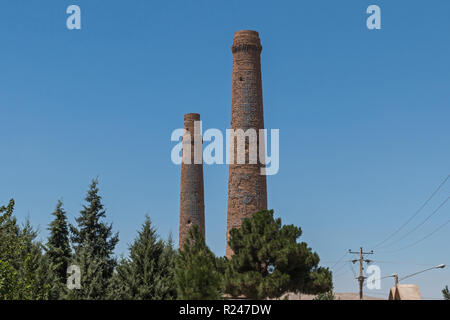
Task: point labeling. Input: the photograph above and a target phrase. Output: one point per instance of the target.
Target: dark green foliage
(446, 293)
(23, 267)
(9, 234)
(268, 261)
(9, 255)
(34, 272)
(9, 283)
(196, 273)
(168, 261)
(94, 244)
(58, 246)
(94, 279)
(148, 272)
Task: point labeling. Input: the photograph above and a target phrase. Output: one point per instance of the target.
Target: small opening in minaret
(241, 79)
(189, 222)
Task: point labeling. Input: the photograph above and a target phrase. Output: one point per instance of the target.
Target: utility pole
(361, 260)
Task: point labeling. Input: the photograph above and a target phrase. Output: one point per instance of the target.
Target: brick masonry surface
(192, 207)
(247, 190)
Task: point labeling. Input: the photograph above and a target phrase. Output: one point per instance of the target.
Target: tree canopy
(268, 261)
(148, 272)
(59, 252)
(94, 244)
(196, 272)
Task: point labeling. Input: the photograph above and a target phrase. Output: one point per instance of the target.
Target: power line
(338, 275)
(419, 225)
(338, 262)
(341, 267)
(422, 239)
(405, 262)
(353, 271)
(341, 274)
(414, 215)
(340, 259)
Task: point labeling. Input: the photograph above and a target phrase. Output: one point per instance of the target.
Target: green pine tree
(196, 273)
(167, 269)
(94, 278)
(268, 261)
(9, 233)
(34, 274)
(148, 272)
(23, 267)
(94, 245)
(446, 293)
(9, 255)
(58, 250)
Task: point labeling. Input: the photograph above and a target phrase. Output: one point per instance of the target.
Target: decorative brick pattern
(192, 207)
(247, 190)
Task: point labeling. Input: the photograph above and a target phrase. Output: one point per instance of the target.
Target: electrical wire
(414, 215)
(341, 267)
(422, 239)
(419, 225)
(353, 270)
(405, 262)
(340, 259)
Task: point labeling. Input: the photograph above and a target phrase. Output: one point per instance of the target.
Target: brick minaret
(192, 207)
(247, 191)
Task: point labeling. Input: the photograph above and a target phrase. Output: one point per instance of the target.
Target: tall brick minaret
(192, 207)
(247, 191)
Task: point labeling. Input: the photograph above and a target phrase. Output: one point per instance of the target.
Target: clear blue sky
(363, 116)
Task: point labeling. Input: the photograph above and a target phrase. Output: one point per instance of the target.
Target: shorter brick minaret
(192, 206)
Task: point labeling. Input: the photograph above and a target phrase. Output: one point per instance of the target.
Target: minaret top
(246, 39)
(192, 116)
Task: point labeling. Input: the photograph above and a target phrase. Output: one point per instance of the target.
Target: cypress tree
(196, 272)
(94, 244)
(268, 261)
(148, 272)
(58, 246)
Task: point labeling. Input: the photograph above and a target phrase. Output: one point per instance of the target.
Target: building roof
(405, 292)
